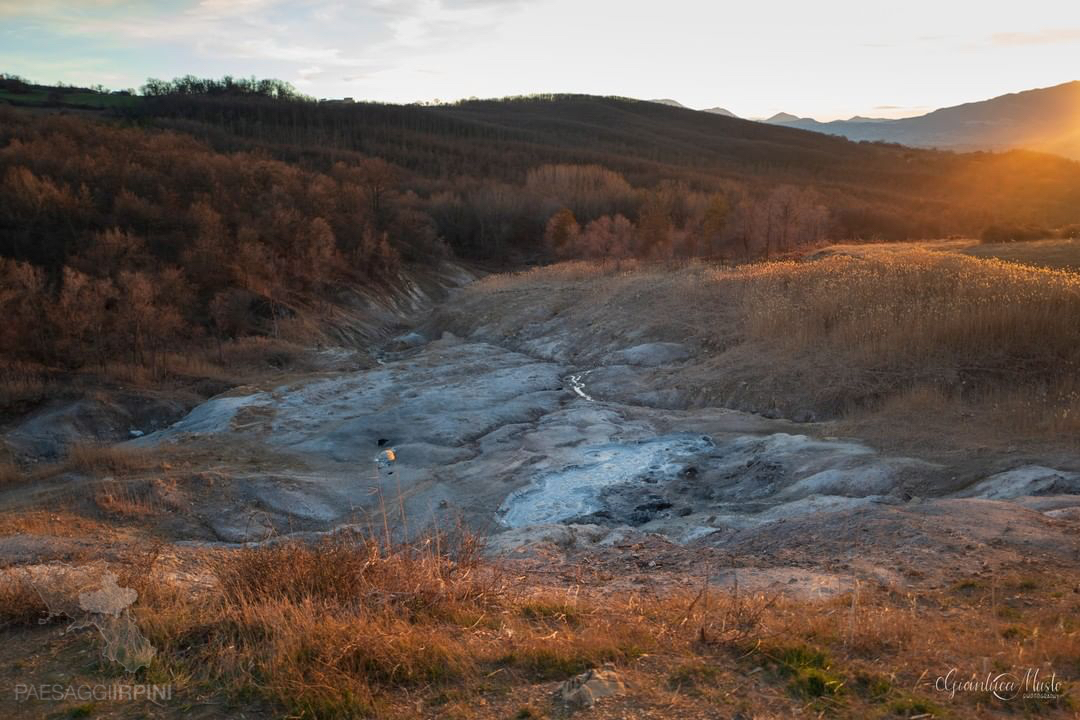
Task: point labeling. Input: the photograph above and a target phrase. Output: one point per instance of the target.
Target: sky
(826, 59)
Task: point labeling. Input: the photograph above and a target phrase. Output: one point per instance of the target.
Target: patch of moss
(914, 707)
(800, 656)
(1013, 632)
(693, 675)
(1006, 612)
(551, 611)
(816, 683)
(808, 670)
(968, 587)
(872, 686)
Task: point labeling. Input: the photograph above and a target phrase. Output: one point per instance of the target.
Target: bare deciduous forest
(201, 209)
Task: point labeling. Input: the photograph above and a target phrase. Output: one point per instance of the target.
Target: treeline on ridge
(871, 190)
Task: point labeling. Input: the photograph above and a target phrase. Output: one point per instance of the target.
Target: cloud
(1041, 37)
(428, 22)
(46, 8)
(308, 32)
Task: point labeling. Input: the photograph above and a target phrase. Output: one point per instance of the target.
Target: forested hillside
(870, 190)
(118, 242)
(204, 209)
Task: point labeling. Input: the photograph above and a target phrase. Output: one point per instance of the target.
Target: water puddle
(575, 490)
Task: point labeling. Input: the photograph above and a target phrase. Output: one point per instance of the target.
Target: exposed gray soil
(539, 440)
(46, 432)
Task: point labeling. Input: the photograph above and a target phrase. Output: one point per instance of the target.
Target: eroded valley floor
(567, 452)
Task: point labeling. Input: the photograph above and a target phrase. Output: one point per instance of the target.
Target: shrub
(1015, 233)
(100, 460)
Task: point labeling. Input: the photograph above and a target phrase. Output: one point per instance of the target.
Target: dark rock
(654, 505)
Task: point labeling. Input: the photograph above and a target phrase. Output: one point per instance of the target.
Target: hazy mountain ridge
(671, 103)
(714, 110)
(1045, 119)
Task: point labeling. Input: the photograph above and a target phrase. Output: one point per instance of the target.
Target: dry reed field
(987, 332)
(1063, 254)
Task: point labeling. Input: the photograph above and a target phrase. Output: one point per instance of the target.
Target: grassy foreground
(346, 628)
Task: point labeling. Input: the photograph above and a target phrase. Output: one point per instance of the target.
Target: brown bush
(126, 498)
(103, 460)
(20, 603)
(9, 473)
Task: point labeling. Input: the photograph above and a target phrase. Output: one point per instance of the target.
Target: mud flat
(532, 436)
(509, 440)
(517, 444)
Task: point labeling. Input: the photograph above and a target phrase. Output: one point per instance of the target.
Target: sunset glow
(488, 359)
(827, 60)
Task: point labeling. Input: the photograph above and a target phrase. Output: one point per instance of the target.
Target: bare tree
(561, 233)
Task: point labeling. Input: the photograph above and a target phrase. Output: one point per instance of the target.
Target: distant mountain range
(713, 110)
(783, 118)
(720, 111)
(1047, 119)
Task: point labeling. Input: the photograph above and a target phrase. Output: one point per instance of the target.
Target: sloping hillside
(1046, 119)
(869, 190)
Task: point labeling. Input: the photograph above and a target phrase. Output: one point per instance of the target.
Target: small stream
(577, 384)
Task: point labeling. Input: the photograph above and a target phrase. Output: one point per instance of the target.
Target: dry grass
(571, 271)
(250, 354)
(20, 603)
(127, 498)
(1060, 254)
(857, 332)
(923, 334)
(1001, 417)
(196, 363)
(125, 373)
(904, 642)
(9, 473)
(24, 384)
(347, 628)
(61, 519)
(910, 310)
(105, 460)
(920, 313)
(88, 458)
